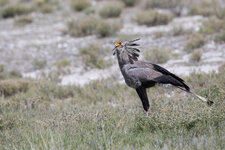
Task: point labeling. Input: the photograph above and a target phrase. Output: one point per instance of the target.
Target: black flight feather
(169, 77)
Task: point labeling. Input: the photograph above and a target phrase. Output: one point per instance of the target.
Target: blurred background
(61, 87)
(70, 41)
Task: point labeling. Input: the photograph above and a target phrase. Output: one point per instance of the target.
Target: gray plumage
(141, 75)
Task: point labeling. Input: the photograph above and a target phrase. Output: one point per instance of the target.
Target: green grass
(108, 115)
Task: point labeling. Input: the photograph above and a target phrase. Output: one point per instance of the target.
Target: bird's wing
(143, 73)
(146, 72)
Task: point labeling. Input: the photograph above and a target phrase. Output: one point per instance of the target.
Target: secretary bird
(141, 74)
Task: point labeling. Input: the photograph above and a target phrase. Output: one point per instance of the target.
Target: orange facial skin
(119, 43)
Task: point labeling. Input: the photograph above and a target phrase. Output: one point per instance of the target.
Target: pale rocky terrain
(43, 40)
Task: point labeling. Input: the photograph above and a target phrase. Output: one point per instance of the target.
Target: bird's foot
(147, 113)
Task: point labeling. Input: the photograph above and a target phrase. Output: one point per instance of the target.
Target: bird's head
(118, 47)
(128, 47)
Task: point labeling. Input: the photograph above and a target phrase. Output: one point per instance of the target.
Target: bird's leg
(148, 111)
(144, 98)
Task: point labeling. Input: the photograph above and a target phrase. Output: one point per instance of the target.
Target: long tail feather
(202, 98)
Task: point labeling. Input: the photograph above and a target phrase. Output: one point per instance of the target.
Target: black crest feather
(132, 50)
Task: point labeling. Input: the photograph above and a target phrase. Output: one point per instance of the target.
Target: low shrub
(222, 68)
(4, 2)
(196, 56)
(2, 68)
(207, 8)
(90, 26)
(83, 27)
(62, 63)
(8, 74)
(111, 9)
(23, 20)
(80, 5)
(39, 64)
(194, 41)
(175, 6)
(179, 30)
(157, 55)
(93, 56)
(212, 25)
(161, 4)
(45, 6)
(220, 12)
(153, 18)
(15, 10)
(105, 29)
(129, 3)
(10, 87)
(220, 37)
(202, 8)
(89, 10)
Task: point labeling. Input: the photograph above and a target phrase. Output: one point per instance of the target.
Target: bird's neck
(123, 59)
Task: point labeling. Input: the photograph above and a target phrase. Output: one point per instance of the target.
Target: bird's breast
(130, 80)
